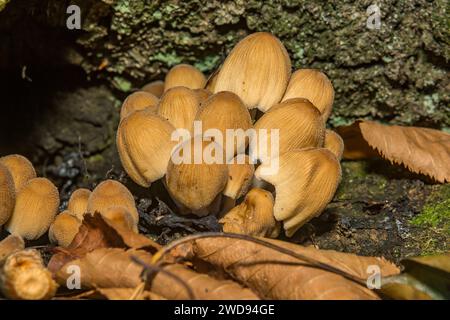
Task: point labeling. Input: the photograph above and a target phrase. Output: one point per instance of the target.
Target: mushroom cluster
(29, 205)
(166, 122)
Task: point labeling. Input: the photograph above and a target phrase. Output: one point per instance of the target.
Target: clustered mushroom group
(253, 88)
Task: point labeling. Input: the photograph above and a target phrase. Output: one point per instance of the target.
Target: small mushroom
(196, 184)
(155, 87)
(64, 229)
(184, 75)
(203, 95)
(144, 144)
(110, 193)
(223, 111)
(334, 143)
(121, 216)
(138, 100)
(313, 85)
(179, 105)
(21, 169)
(257, 70)
(36, 206)
(299, 125)
(78, 203)
(253, 217)
(304, 184)
(240, 174)
(7, 194)
(24, 277)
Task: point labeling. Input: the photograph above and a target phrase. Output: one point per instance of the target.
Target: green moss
(208, 63)
(170, 59)
(436, 212)
(122, 84)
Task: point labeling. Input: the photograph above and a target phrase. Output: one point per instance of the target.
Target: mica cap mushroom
(299, 125)
(304, 184)
(184, 75)
(138, 100)
(64, 229)
(253, 217)
(36, 206)
(21, 169)
(313, 85)
(196, 184)
(7, 194)
(257, 70)
(226, 113)
(78, 202)
(144, 144)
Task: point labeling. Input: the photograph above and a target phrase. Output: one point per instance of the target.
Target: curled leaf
(420, 150)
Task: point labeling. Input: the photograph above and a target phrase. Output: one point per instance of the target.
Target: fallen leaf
(96, 232)
(420, 150)
(114, 268)
(202, 285)
(275, 275)
(423, 278)
(9, 245)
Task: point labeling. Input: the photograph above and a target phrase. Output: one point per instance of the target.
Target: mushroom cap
(222, 111)
(110, 193)
(253, 217)
(203, 95)
(196, 186)
(78, 203)
(21, 169)
(25, 277)
(299, 123)
(36, 206)
(121, 216)
(240, 176)
(64, 229)
(144, 144)
(304, 184)
(313, 85)
(7, 194)
(184, 75)
(138, 100)
(334, 143)
(179, 105)
(257, 70)
(155, 87)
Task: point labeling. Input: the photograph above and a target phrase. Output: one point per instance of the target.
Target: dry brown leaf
(420, 150)
(106, 268)
(97, 232)
(202, 285)
(9, 245)
(279, 276)
(114, 268)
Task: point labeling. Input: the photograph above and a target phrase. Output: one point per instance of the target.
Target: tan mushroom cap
(313, 85)
(121, 216)
(253, 217)
(21, 169)
(240, 174)
(196, 186)
(179, 105)
(36, 206)
(7, 194)
(299, 123)
(304, 184)
(334, 143)
(24, 277)
(111, 193)
(257, 70)
(184, 75)
(144, 144)
(139, 100)
(64, 229)
(222, 111)
(155, 87)
(78, 202)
